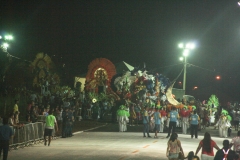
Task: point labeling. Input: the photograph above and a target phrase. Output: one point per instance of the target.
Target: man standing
(157, 119)
(50, 121)
(236, 143)
(173, 116)
(146, 122)
(194, 119)
(225, 153)
(5, 134)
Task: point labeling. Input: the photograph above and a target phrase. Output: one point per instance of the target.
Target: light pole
(4, 45)
(186, 49)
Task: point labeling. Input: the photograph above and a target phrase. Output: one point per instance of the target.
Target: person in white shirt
(236, 143)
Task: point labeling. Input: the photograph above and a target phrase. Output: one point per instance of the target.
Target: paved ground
(105, 143)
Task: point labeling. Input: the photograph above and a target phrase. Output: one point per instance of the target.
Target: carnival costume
(223, 124)
(184, 113)
(151, 112)
(163, 119)
(122, 117)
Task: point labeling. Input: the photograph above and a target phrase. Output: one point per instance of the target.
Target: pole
(185, 73)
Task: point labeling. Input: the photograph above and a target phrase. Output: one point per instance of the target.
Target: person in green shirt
(50, 123)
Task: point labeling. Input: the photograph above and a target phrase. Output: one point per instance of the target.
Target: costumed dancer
(122, 118)
(223, 124)
(151, 116)
(184, 113)
(163, 118)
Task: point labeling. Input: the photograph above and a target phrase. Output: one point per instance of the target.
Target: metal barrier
(27, 135)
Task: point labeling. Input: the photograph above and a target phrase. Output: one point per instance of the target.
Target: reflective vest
(225, 154)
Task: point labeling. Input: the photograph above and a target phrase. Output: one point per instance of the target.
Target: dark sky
(135, 31)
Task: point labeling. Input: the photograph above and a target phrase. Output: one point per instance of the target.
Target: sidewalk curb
(78, 132)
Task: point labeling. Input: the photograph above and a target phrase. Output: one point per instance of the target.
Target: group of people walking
(207, 145)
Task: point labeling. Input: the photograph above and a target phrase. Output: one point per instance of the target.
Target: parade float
(130, 86)
(98, 80)
(46, 81)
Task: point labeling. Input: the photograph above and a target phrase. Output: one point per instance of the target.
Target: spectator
(1, 122)
(16, 111)
(194, 119)
(225, 153)
(5, 134)
(236, 120)
(195, 158)
(64, 122)
(33, 115)
(174, 147)
(59, 117)
(30, 106)
(33, 97)
(236, 143)
(207, 145)
(190, 156)
(11, 120)
(71, 121)
(50, 121)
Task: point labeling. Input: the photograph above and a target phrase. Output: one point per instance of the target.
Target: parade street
(106, 142)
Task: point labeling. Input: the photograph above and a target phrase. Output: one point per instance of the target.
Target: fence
(30, 134)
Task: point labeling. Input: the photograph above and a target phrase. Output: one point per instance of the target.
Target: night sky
(76, 32)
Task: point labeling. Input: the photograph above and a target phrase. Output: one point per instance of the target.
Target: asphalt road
(104, 142)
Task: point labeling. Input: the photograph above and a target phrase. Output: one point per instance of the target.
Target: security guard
(194, 119)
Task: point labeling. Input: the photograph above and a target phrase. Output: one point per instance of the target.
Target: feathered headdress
(194, 107)
(213, 100)
(224, 112)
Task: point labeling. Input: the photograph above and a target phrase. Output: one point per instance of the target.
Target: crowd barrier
(29, 134)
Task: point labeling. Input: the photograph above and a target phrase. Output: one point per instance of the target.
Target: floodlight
(5, 45)
(180, 45)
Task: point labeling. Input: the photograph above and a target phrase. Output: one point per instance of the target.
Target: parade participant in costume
(157, 119)
(146, 122)
(132, 115)
(163, 118)
(122, 118)
(151, 116)
(194, 120)
(184, 113)
(223, 124)
(173, 117)
(137, 110)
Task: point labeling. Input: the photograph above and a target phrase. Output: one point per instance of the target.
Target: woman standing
(207, 145)
(174, 147)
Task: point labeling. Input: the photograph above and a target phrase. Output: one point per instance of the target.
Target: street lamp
(186, 50)
(4, 45)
